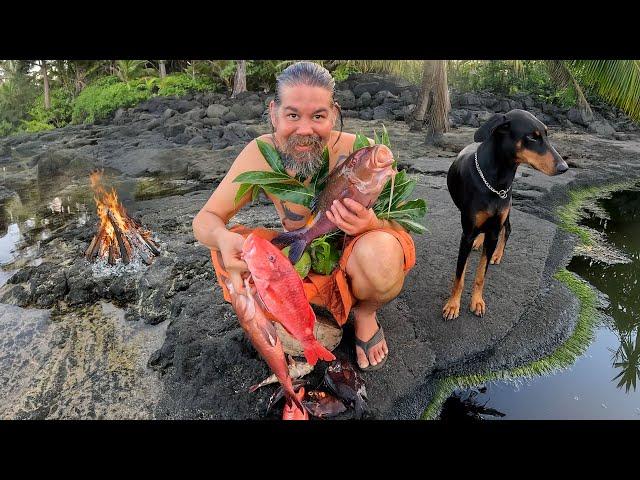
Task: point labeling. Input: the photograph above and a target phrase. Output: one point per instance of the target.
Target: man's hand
(230, 250)
(352, 218)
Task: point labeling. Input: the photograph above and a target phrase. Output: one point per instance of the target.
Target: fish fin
(268, 332)
(314, 203)
(360, 406)
(287, 238)
(316, 351)
(297, 250)
(253, 388)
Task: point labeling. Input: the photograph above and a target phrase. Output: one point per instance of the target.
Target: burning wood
(119, 237)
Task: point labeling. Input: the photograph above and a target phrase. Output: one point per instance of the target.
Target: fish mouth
(381, 157)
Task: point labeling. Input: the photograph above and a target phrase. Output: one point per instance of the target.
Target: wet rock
(168, 113)
(216, 111)
(577, 116)
(602, 127)
(364, 100)
(346, 99)
(366, 114)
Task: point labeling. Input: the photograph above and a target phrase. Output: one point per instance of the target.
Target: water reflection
(602, 384)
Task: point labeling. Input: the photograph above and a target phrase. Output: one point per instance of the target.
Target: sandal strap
(373, 341)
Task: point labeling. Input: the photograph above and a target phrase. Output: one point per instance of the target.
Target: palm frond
(563, 78)
(616, 81)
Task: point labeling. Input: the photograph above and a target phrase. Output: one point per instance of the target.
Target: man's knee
(377, 263)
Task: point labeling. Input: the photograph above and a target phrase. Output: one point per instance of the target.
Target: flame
(107, 201)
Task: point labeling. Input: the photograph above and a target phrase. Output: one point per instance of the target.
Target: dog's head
(522, 137)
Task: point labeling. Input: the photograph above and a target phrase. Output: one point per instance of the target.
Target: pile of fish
(341, 387)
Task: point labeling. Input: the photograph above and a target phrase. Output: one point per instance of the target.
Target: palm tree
(163, 70)
(433, 104)
(45, 79)
(240, 79)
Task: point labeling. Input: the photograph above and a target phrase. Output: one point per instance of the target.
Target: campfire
(119, 236)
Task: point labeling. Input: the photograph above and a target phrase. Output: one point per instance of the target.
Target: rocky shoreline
(202, 362)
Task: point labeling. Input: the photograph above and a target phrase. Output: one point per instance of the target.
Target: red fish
(263, 336)
(280, 289)
(361, 177)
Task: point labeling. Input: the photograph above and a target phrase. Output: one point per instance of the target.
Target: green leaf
(385, 137)
(291, 193)
(324, 256)
(255, 194)
(414, 209)
(361, 141)
(260, 178)
(244, 188)
(271, 156)
(376, 140)
(411, 225)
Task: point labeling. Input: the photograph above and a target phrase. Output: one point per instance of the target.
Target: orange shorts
(329, 291)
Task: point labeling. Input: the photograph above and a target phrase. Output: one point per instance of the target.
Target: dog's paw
(451, 309)
(478, 307)
(478, 242)
(496, 258)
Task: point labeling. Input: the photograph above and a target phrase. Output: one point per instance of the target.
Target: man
(378, 253)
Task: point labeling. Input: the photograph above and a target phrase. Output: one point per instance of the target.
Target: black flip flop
(366, 346)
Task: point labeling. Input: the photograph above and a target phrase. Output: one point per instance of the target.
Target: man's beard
(306, 164)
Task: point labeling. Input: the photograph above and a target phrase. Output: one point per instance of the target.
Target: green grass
(563, 357)
(570, 214)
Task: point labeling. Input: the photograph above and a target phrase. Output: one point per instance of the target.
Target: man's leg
(376, 270)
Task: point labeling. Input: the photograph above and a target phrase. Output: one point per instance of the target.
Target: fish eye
(271, 258)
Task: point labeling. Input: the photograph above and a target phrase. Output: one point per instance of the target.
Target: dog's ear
(486, 130)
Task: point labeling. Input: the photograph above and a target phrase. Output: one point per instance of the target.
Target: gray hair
(304, 73)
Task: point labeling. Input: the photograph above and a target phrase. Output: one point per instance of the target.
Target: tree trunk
(433, 104)
(240, 79)
(163, 70)
(47, 95)
(417, 117)
(437, 120)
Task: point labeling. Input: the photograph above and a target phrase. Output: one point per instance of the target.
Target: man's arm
(209, 225)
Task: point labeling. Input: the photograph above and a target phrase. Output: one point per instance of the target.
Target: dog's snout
(561, 167)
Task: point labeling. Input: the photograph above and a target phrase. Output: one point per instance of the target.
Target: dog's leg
(477, 302)
(502, 241)
(452, 308)
(479, 241)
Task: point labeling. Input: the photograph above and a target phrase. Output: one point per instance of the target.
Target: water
(602, 384)
(42, 207)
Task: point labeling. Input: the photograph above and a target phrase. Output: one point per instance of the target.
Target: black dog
(479, 181)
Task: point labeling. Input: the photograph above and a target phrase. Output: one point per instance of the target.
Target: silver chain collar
(501, 193)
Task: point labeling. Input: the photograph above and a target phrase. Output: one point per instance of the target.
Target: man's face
(302, 125)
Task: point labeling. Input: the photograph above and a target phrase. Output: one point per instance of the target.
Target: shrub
(57, 116)
(181, 83)
(101, 98)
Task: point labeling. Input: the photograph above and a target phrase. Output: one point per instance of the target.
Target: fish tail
(297, 249)
(360, 406)
(286, 238)
(315, 351)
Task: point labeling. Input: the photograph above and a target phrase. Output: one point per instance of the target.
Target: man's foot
(366, 327)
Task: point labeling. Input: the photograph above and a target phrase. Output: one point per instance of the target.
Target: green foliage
(302, 266)
(500, 77)
(17, 93)
(261, 74)
(106, 95)
(325, 253)
(182, 83)
(343, 70)
(57, 116)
